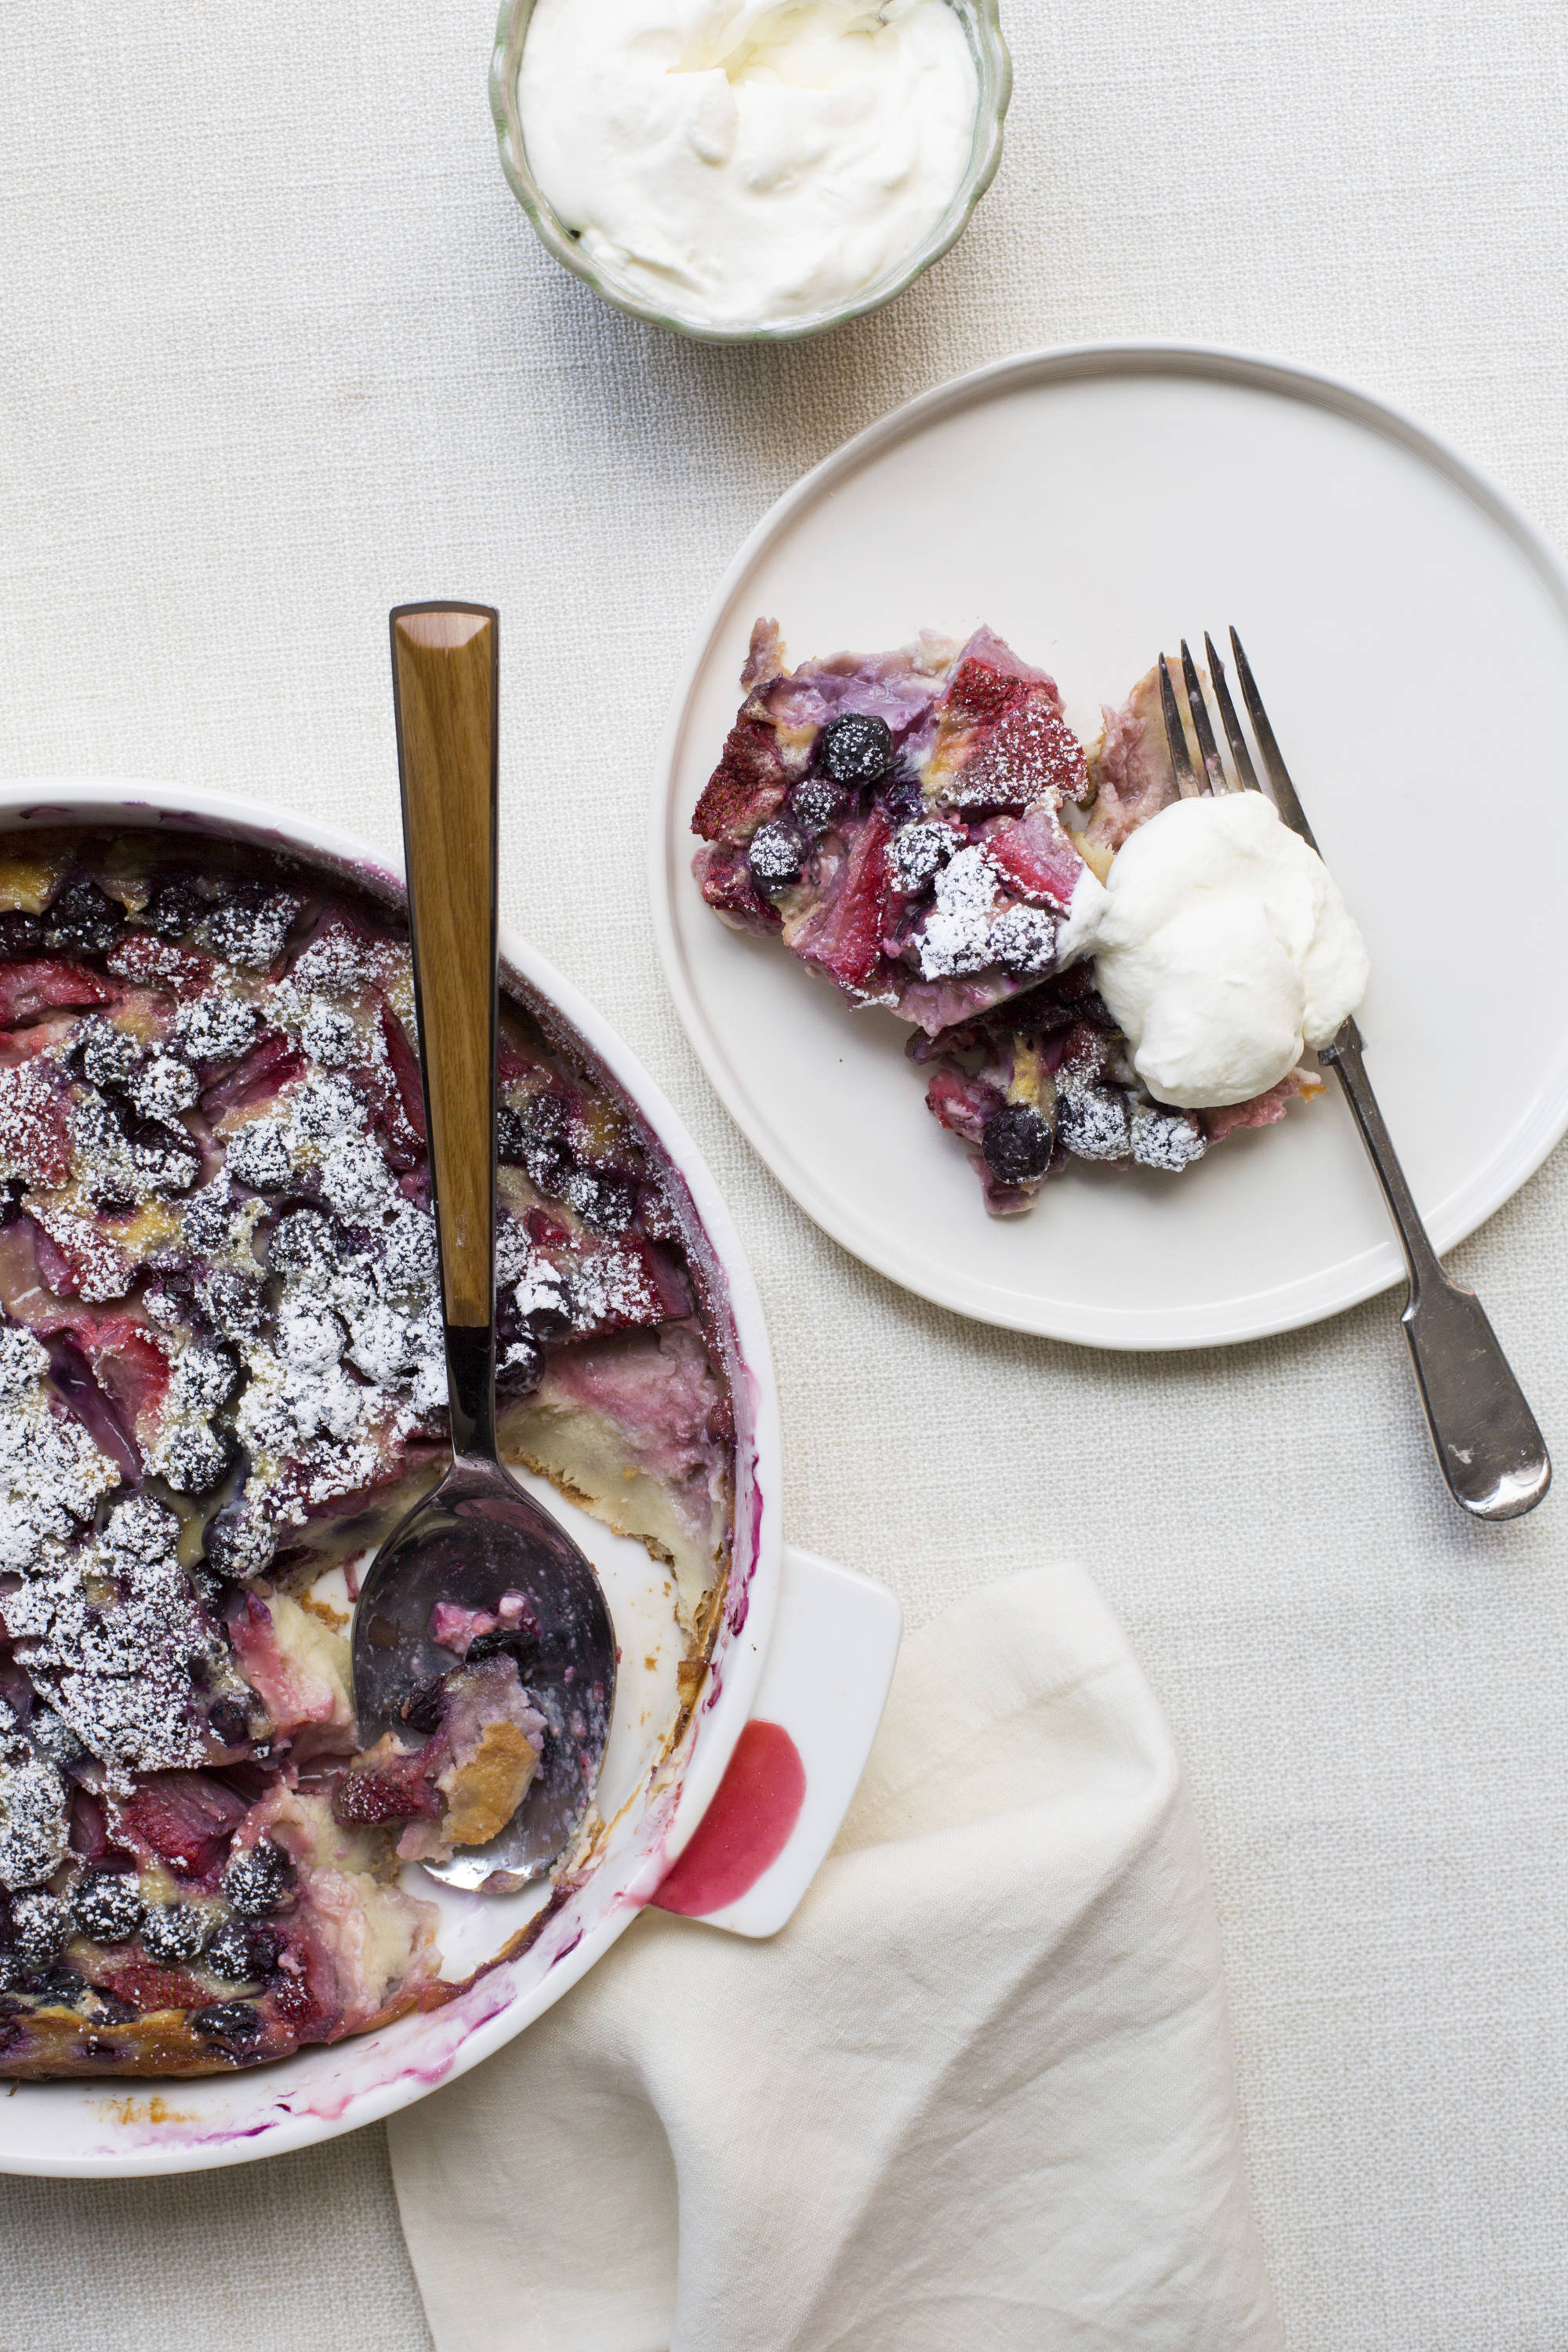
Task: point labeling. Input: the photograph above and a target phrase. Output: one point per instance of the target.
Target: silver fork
(1488, 1446)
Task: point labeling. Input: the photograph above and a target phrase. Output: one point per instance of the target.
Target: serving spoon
(476, 1536)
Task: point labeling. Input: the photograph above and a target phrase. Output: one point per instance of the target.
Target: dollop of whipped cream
(745, 161)
(1225, 949)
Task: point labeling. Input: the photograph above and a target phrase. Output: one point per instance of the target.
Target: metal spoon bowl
(477, 1536)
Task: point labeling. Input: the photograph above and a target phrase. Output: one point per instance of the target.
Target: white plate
(1409, 630)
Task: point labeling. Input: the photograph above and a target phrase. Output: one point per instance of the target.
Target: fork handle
(1487, 1443)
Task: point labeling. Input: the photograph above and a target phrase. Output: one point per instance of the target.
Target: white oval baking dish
(803, 1647)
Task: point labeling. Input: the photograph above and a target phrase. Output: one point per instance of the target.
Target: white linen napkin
(978, 2093)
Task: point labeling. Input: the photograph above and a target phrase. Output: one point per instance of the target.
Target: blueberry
(104, 1056)
(1167, 1140)
(331, 1037)
(550, 1315)
(100, 1134)
(532, 1134)
(856, 750)
(238, 1543)
(169, 1299)
(82, 919)
(1093, 1121)
(775, 856)
(917, 854)
(1024, 940)
(258, 1157)
(531, 1314)
(40, 1927)
(175, 907)
(232, 1955)
(58, 1987)
(424, 1710)
(817, 804)
(549, 1165)
(603, 1198)
(1017, 1143)
(208, 1591)
(522, 1646)
(521, 1366)
(105, 2009)
(209, 1376)
(20, 935)
(524, 1129)
(230, 1720)
(903, 798)
(307, 1242)
(174, 1932)
(234, 1301)
(259, 1880)
(543, 1113)
(251, 924)
(230, 2020)
(107, 1906)
(198, 1458)
(166, 1156)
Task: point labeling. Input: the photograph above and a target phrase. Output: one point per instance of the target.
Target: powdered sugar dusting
(51, 1473)
(250, 927)
(917, 852)
(33, 1808)
(957, 934)
(112, 1633)
(217, 1027)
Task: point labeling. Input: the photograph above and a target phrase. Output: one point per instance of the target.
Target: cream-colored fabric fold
(977, 2093)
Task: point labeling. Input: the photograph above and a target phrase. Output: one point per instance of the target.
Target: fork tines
(1214, 777)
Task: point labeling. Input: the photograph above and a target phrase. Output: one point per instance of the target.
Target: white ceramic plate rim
(458, 2044)
(1514, 1158)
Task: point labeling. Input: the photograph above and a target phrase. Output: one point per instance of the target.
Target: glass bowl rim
(993, 67)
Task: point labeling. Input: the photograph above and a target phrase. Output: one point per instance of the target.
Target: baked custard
(221, 1384)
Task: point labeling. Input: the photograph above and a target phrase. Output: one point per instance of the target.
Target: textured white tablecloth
(279, 350)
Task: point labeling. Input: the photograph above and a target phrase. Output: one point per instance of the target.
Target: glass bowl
(993, 74)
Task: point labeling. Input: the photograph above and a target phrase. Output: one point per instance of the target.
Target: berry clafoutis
(221, 1382)
(924, 829)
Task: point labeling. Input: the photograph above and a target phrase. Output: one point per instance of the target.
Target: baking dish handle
(799, 1760)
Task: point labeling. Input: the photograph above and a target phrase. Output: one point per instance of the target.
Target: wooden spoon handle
(444, 687)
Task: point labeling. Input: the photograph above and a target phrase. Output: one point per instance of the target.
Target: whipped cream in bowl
(749, 169)
(1225, 951)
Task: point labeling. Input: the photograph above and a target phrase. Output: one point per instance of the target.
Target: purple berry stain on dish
(220, 1382)
(923, 830)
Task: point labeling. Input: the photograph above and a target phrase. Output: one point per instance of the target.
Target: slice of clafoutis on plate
(924, 830)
